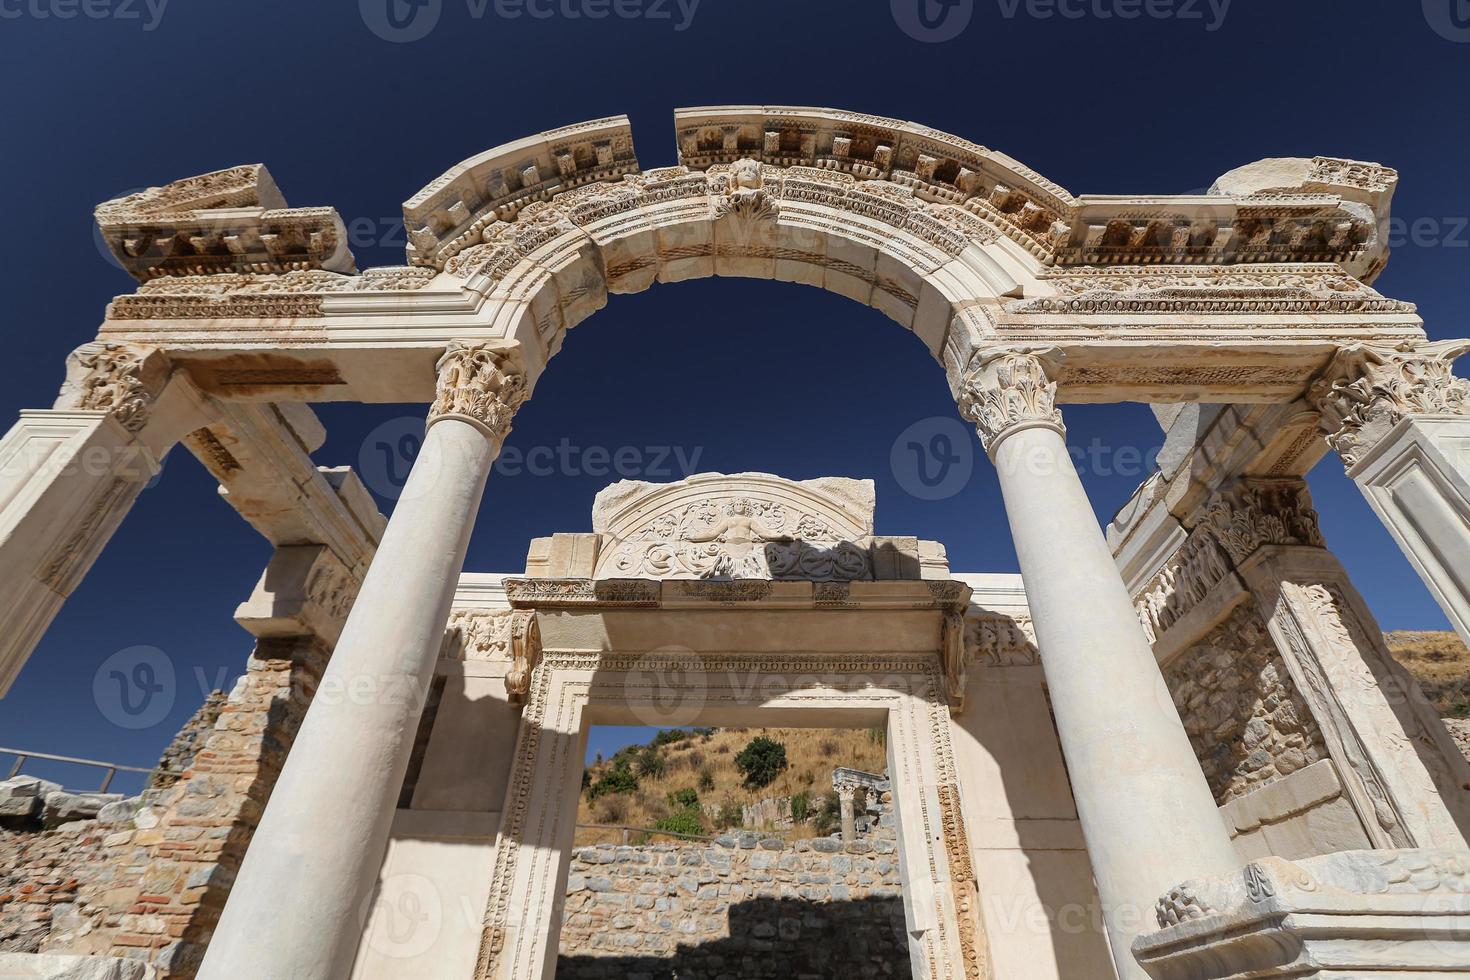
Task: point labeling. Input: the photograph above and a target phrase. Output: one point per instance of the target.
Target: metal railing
(110, 768)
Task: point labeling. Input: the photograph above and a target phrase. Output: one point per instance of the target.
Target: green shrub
(618, 779)
(669, 736)
(731, 814)
(801, 806)
(687, 822)
(762, 760)
(706, 779)
(684, 799)
(650, 762)
(829, 814)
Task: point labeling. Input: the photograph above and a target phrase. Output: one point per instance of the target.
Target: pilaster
(1398, 765)
(1400, 420)
(70, 474)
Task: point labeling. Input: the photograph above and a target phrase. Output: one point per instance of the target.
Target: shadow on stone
(790, 939)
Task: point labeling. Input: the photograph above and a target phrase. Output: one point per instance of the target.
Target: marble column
(1400, 420)
(70, 474)
(847, 798)
(1147, 813)
(303, 893)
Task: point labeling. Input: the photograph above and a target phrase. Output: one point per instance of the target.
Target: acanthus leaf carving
(1010, 388)
(1260, 512)
(1367, 390)
(120, 379)
(480, 383)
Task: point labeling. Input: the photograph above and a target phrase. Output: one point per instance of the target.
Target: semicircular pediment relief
(743, 526)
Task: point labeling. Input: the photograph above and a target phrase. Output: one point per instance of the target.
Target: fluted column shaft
(298, 906)
(1146, 811)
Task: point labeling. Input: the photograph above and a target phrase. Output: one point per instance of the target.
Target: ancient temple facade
(1173, 747)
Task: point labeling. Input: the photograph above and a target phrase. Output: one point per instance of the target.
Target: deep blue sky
(754, 375)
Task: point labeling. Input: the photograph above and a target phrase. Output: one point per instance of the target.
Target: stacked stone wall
(148, 881)
(1246, 720)
(741, 906)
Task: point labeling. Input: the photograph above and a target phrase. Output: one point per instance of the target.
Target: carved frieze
(1185, 580)
(1008, 388)
(1257, 289)
(1367, 390)
(481, 383)
(257, 296)
(1001, 641)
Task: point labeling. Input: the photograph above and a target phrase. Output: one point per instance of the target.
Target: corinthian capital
(120, 379)
(482, 384)
(1257, 512)
(1367, 390)
(1009, 389)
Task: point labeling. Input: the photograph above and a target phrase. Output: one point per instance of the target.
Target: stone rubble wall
(1248, 724)
(743, 906)
(146, 879)
(1460, 732)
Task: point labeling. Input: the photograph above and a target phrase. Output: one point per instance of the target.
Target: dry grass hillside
(704, 761)
(1441, 664)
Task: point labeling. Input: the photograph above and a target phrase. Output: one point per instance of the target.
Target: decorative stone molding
(1298, 288)
(265, 297)
(1008, 389)
(229, 221)
(449, 214)
(512, 636)
(1366, 390)
(483, 384)
(952, 651)
(120, 379)
(1260, 512)
(1351, 913)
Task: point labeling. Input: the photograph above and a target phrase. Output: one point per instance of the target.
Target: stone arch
(930, 229)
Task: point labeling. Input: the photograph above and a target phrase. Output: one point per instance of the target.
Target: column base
(1354, 914)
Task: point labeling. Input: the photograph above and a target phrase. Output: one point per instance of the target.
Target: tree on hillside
(762, 760)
